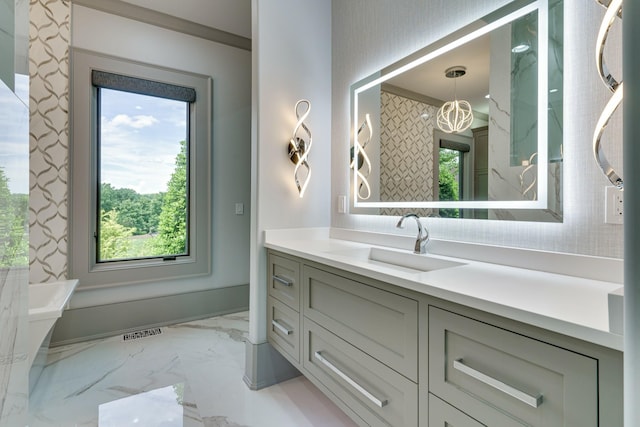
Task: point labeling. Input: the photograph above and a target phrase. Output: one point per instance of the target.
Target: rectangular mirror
(468, 127)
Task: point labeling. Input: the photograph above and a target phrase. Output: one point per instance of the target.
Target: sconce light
(299, 147)
(455, 116)
(362, 159)
(525, 188)
(614, 9)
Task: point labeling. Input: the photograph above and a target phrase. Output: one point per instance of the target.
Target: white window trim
(83, 176)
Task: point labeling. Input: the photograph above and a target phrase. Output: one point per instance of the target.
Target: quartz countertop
(569, 305)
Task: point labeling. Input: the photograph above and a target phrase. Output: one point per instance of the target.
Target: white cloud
(136, 122)
(138, 151)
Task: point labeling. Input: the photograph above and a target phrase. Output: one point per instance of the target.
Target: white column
(631, 65)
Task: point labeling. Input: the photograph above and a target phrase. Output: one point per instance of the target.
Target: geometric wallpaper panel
(49, 138)
(406, 150)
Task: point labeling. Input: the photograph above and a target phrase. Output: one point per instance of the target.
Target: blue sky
(141, 136)
(140, 140)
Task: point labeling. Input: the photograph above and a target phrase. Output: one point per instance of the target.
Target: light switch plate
(342, 204)
(239, 208)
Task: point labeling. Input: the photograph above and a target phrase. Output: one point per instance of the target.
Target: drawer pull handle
(281, 328)
(380, 403)
(533, 401)
(282, 280)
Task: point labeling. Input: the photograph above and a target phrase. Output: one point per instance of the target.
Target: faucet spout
(423, 234)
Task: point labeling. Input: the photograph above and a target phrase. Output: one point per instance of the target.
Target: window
(140, 171)
(451, 179)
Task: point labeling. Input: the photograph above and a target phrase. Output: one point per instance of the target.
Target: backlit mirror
(468, 127)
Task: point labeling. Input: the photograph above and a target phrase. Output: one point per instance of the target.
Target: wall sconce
(363, 159)
(455, 116)
(299, 147)
(614, 9)
(528, 168)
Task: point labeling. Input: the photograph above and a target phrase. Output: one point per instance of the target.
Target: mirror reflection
(470, 126)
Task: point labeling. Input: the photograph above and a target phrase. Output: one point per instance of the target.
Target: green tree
(173, 218)
(141, 213)
(138, 211)
(112, 198)
(14, 243)
(448, 184)
(114, 237)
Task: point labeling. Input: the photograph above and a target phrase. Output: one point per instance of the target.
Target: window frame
(82, 261)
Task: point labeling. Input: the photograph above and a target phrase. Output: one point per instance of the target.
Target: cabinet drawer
(284, 328)
(502, 378)
(441, 414)
(380, 323)
(379, 395)
(283, 278)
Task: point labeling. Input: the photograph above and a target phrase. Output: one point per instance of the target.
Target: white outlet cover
(614, 203)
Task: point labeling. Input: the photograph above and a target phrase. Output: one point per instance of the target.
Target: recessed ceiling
(233, 16)
(429, 78)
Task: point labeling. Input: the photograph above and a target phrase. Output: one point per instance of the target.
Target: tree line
(14, 226)
(161, 217)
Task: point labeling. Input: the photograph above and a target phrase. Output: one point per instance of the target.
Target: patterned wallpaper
(406, 145)
(49, 37)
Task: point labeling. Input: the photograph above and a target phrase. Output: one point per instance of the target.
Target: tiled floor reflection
(168, 406)
(188, 376)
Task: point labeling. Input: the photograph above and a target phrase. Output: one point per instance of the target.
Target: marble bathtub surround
(190, 375)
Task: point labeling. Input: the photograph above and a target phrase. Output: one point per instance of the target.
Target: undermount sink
(406, 262)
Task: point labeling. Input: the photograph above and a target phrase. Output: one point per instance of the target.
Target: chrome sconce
(528, 190)
(300, 145)
(614, 9)
(361, 159)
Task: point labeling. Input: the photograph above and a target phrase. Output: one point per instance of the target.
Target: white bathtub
(47, 301)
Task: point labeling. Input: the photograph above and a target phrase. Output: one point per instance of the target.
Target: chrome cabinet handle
(533, 401)
(380, 403)
(281, 328)
(282, 280)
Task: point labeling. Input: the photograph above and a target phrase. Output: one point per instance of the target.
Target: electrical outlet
(614, 204)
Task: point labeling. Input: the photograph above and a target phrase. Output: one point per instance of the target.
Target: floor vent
(145, 333)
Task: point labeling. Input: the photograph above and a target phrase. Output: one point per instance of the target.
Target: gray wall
(291, 60)
(230, 69)
(370, 34)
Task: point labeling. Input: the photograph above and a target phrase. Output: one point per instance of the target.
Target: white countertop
(565, 304)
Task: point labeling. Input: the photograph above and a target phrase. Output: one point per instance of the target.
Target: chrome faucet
(423, 234)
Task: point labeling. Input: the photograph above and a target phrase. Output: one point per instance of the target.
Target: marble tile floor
(190, 375)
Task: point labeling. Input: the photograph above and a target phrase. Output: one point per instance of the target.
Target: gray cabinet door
(283, 279)
(380, 323)
(441, 414)
(284, 329)
(505, 379)
(376, 393)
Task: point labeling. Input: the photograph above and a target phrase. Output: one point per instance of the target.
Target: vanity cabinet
(505, 379)
(361, 342)
(382, 324)
(441, 414)
(393, 357)
(283, 306)
(376, 393)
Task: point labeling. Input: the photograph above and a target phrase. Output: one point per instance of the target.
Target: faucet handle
(423, 234)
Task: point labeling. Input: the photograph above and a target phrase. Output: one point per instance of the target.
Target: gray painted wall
(230, 69)
(291, 60)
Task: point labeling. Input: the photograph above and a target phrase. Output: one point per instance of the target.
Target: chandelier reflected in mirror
(455, 116)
